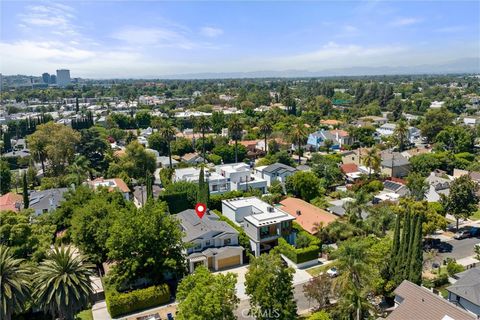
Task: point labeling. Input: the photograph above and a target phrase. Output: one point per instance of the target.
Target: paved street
(303, 305)
(457, 249)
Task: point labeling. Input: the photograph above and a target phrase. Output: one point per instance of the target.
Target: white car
(332, 272)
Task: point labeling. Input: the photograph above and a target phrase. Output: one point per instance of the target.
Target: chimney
(299, 213)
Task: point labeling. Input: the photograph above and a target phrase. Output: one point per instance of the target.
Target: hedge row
(298, 255)
(176, 202)
(123, 303)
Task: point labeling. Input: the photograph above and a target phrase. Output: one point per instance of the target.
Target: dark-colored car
(475, 232)
(170, 316)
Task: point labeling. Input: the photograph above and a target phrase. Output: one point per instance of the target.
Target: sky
(132, 39)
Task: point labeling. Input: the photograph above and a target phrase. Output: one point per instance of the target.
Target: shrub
(122, 303)
(298, 255)
(175, 201)
(453, 267)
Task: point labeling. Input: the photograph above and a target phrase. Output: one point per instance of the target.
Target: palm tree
(235, 128)
(372, 160)
(401, 134)
(353, 281)
(167, 131)
(203, 125)
(14, 284)
(298, 136)
(265, 129)
(80, 168)
(62, 285)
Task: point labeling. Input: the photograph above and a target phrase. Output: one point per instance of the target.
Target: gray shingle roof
(278, 168)
(194, 227)
(420, 303)
(46, 199)
(468, 286)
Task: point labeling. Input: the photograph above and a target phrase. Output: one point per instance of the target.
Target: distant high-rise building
(46, 77)
(63, 77)
(53, 79)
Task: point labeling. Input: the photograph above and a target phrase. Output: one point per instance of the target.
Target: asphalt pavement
(303, 305)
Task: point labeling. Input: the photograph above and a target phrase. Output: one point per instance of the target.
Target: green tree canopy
(154, 237)
(203, 295)
(268, 283)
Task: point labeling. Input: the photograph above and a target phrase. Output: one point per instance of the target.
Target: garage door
(228, 262)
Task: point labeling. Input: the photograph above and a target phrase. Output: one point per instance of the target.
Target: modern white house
(388, 129)
(213, 243)
(276, 171)
(227, 177)
(263, 223)
(216, 183)
(240, 177)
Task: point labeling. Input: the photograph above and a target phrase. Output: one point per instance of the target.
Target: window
(198, 246)
(215, 187)
(207, 243)
(226, 242)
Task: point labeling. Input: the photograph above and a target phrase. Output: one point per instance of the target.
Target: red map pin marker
(200, 209)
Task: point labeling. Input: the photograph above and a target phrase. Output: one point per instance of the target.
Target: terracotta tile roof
(309, 214)
(8, 201)
(119, 153)
(341, 133)
(420, 303)
(349, 168)
(331, 122)
(115, 183)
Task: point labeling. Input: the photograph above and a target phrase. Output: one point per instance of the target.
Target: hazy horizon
(155, 39)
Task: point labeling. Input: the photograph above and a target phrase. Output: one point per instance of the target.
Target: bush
(298, 255)
(453, 267)
(122, 303)
(176, 201)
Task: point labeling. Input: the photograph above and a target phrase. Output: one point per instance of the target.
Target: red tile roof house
(112, 184)
(307, 215)
(11, 202)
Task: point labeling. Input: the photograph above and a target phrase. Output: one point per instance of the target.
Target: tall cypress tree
(411, 240)
(202, 193)
(403, 251)
(395, 247)
(26, 200)
(416, 263)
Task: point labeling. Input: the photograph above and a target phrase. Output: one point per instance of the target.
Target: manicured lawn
(85, 315)
(317, 270)
(475, 216)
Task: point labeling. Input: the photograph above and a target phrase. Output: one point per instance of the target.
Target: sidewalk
(99, 311)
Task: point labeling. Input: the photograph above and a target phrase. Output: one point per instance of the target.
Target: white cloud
(50, 18)
(160, 37)
(401, 22)
(211, 32)
(336, 55)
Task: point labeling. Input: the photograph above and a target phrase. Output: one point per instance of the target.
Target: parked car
(475, 232)
(169, 316)
(462, 234)
(332, 272)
